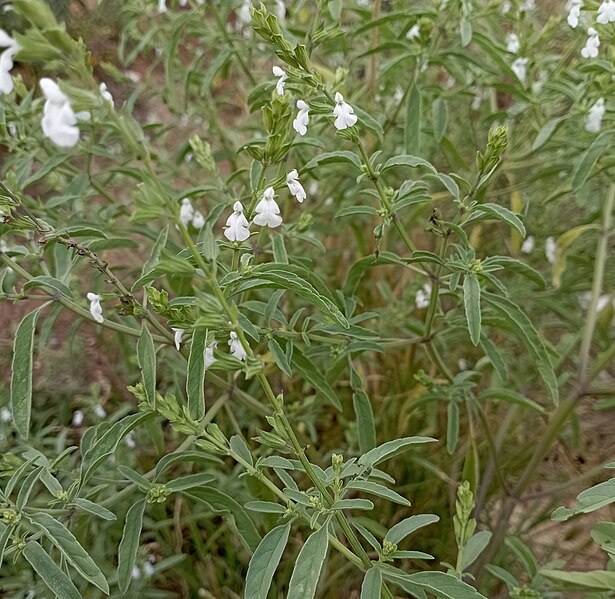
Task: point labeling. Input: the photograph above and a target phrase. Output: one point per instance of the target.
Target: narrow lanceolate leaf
(308, 566)
(407, 526)
(129, 544)
(71, 549)
(196, 374)
(452, 427)
(264, 562)
(372, 584)
(589, 158)
(146, 355)
(58, 582)
(21, 381)
(93, 508)
(503, 214)
(5, 535)
(279, 357)
(220, 502)
(390, 449)
(445, 586)
(439, 117)
(530, 337)
(471, 301)
(367, 486)
(365, 421)
(412, 132)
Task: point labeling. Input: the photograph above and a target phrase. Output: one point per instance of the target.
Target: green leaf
(221, 502)
(439, 117)
(356, 210)
(528, 334)
(366, 427)
(146, 357)
(412, 131)
(474, 547)
(94, 508)
(368, 486)
(588, 159)
(106, 445)
(285, 278)
(492, 352)
(264, 562)
(407, 526)
(5, 535)
(504, 214)
(308, 566)
(372, 584)
(353, 504)
(518, 267)
(71, 549)
(548, 129)
(389, 449)
(265, 507)
(279, 357)
(445, 586)
(511, 396)
(314, 376)
(195, 378)
(154, 257)
(127, 553)
(408, 160)
(58, 582)
(238, 445)
(595, 580)
(21, 380)
(50, 284)
(471, 302)
(333, 158)
(190, 481)
(524, 553)
(590, 500)
(279, 249)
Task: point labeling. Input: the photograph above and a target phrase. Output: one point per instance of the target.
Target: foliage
(348, 389)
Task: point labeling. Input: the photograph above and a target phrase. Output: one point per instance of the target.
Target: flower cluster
(11, 47)
(188, 215)
(605, 15)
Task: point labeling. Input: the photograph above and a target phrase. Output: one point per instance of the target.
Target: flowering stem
(269, 393)
(384, 200)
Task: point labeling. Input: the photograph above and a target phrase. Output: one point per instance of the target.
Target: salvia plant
(307, 299)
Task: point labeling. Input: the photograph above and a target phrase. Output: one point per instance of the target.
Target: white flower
(198, 220)
(591, 45)
(208, 354)
(162, 6)
(4, 246)
(422, 296)
(100, 411)
(237, 349)
(106, 94)
(593, 121)
(279, 86)
(95, 307)
(574, 12)
(186, 212)
(77, 418)
(528, 6)
(414, 32)
(343, 113)
(505, 8)
(135, 572)
(281, 9)
(513, 44)
(527, 247)
(606, 12)
(59, 120)
(462, 364)
(296, 189)
(244, 13)
(519, 68)
(550, 249)
(477, 100)
(267, 211)
(301, 120)
(129, 439)
(5, 415)
(586, 297)
(179, 335)
(6, 61)
(237, 225)
(148, 569)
